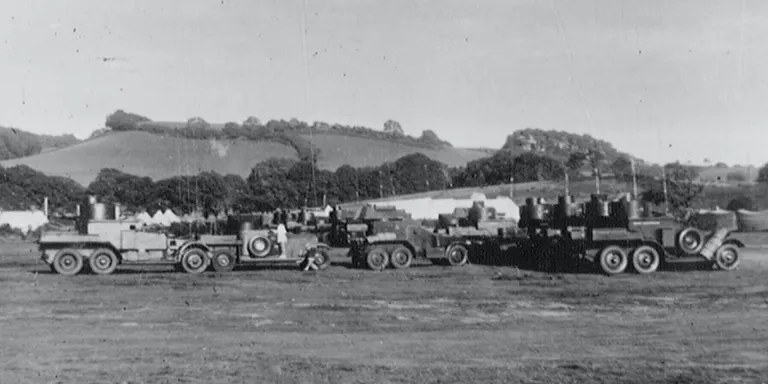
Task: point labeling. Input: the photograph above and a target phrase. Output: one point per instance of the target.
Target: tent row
(167, 218)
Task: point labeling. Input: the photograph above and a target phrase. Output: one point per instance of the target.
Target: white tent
(144, 217)
(159, 219)
(170, 217)
(23, 220)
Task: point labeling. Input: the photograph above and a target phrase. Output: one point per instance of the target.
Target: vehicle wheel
(613, 260)
(103, 261)
(259, 246)
(322, 259)
(377, 259)
(727, 257)
(223, 261)
(68, 262)
(401, 258)
(194, 261)
(645, 259)
(457, 255)
(690, 241)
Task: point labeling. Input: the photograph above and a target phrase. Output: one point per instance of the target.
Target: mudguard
(193, 244)
(735, 242)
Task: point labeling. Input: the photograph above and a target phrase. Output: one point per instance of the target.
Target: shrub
(736, 176)
(742, 202)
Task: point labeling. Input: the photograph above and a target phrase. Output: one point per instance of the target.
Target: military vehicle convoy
(613, 236)
(101, 241)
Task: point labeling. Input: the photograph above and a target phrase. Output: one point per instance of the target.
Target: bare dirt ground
(429, 324)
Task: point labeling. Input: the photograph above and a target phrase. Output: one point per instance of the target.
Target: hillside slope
(340, 149)
(156, 156)
(159, 157)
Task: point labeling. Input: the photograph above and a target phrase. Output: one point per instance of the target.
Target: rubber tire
(321, 254)
(64, 253)
(372, 263)
(113, 260)
(724, 265)
(191, 269)
(637, 263)
(263, 253)
(691, 252)
(462, 251)
(223, 255)
(603, 260)
(404, 252)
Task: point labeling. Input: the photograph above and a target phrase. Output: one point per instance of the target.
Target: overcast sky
(661, 79)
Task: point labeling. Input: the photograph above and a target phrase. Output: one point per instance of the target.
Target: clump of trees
(22, 187)
(15, 143)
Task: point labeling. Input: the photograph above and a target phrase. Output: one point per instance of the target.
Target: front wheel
(194, 261)
(457, 255)
(613, 260)
(727, 257)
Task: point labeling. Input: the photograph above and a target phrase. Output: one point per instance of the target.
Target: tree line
(288, 183)
(16, 143)
(288, 132)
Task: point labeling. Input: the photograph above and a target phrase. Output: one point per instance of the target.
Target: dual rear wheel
(69, 262)
(379, 258)
(614, 260)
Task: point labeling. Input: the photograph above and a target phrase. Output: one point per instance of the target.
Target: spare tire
(690, 240)
(259, 246)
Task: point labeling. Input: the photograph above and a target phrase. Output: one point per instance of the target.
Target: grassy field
(339, 150)
(429, 324)
(159, 157)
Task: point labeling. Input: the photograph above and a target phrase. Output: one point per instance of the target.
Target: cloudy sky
(661, 79)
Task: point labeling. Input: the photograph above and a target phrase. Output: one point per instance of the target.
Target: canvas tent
(144, 217)
(170, 217)
(23, 220)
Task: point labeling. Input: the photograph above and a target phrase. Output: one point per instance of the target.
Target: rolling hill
(145, 154)
(159, 157)
(340, 149)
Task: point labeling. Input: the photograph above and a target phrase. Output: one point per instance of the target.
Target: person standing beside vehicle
(282, 239)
